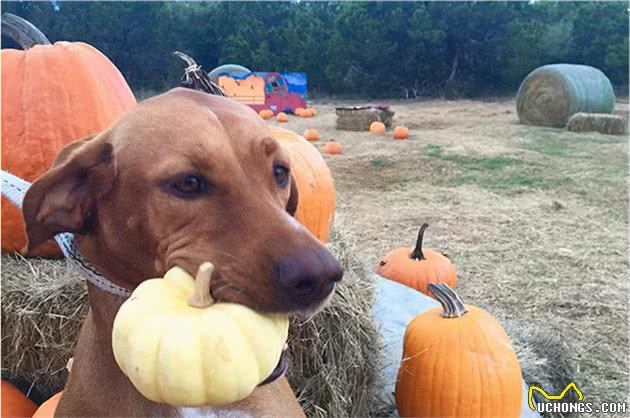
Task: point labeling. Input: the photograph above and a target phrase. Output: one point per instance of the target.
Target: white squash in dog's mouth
(178, 347)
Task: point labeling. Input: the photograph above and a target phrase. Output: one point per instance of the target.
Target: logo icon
(530, 394)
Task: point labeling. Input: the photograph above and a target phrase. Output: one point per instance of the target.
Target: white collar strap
(14, 189)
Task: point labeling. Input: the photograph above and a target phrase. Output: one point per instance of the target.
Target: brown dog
(183, 179)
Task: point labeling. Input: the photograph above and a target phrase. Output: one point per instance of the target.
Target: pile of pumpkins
(282, 117)
(457, 359)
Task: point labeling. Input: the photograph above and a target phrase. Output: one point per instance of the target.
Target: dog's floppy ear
(64, 198)
(294, 195)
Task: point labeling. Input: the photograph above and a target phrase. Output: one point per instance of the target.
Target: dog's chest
(186, 412)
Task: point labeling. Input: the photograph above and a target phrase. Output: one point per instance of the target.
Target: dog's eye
(189, 185)
(281, 175)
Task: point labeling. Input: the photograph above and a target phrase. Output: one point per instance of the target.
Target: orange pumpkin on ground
(311, 135)
(312, 111)
(417, 267)
(332, 148)
(14, 403)
(266, 114)
(298, 111)
(316, 203)
(282, 117)
(307, 113)
(377, 128)
(48, 408)
(51, 95)
(457, 362)
(400, 132)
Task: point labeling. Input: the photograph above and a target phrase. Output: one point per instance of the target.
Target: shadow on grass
(496, 173)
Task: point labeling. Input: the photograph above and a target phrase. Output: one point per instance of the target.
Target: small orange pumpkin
(312, 111)
(377, 128)
(457, 362)
(48, 408)
(266, 114)
(332, 147)
(307, 113)
(298, 111)
(311, 135)
(417, 267)
(282, 117)
(401, 132)
(14, 403)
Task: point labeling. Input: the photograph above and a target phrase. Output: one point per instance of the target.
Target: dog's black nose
(308, 276)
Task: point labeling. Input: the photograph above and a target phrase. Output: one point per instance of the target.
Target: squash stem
(451, 302)
(196, 79)
(202, 297)
(417, 254)
(23, 32)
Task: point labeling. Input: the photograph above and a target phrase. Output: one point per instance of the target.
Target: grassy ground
(534, 218)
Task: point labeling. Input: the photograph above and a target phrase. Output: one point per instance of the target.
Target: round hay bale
(598, 122)
(335, 355)
(551, 94)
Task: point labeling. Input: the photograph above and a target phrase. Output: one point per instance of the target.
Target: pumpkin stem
(202, 297)
(417, 254)
(451, 302)
(196, 79)
(23, 32)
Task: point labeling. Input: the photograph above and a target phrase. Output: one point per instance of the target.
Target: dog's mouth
(281, 368)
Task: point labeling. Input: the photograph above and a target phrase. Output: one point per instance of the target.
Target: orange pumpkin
(332, 148)
(316, 203)
(48, 408)
(377, 128)
(14, 403)
(312, 111)
(400, 132)
(266, 114)
(311, 135)
(282, 117)
(417, 267)
(52, 95)
(298, 111)
(457, 362)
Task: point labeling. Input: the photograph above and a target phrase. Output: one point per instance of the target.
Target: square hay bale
(359, 118)
(598, 122)
(336, 355)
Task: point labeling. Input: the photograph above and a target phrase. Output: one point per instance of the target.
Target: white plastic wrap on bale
(395, 306)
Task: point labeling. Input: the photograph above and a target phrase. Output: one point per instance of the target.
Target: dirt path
(534, 218)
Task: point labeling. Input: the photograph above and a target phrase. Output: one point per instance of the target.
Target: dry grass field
(535, 219)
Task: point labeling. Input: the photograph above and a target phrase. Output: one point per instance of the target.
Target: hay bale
(359, 118)
(336, 355)
(551, 94)
(598, 122)
(43, 306)
(546, 359)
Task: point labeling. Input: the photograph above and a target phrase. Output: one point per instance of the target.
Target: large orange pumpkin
(417, 267)
(52, 95)
(457, 362)
(316, 204)
(14, 403)
(48, 408)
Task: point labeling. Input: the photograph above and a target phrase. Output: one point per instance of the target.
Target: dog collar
(14, 189)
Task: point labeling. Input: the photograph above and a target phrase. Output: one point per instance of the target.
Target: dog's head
(183, 179)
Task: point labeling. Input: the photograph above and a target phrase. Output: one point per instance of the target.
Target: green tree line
(376, 49)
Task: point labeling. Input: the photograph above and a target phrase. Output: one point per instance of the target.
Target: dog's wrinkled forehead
(183, 116)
